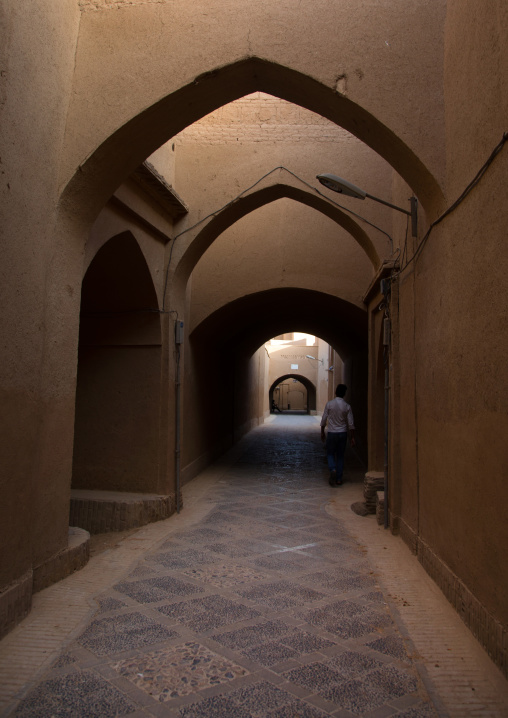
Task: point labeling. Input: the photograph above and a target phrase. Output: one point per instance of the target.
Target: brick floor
(266, 597)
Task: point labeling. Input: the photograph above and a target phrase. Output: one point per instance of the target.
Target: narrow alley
(265, 597)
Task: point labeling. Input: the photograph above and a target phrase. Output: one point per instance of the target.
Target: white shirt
(339, 415)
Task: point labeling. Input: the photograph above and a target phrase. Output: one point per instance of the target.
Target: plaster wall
(325, 377)
(209, 380)
(118, 398)
(336, 376)
(376, 381)
(245, 390)
(355, 376)
(117, 421)
(224, 397)
(453, 383)
(201, 433)
(282, 358)
(465, 268)
(37, 49)
(265, 402)
(248, 408)
(408, 481)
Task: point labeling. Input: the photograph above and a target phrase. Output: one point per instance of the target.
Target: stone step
(374, 481)
(105, 511)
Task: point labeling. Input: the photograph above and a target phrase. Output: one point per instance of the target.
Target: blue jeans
(335, 450)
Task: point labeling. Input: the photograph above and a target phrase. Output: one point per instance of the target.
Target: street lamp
(342, 186)
(308, 356)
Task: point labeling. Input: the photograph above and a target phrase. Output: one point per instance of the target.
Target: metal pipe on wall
(386, 357)
(178, 343)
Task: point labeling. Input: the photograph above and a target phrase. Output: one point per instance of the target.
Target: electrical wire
(239, 196)
(396, 255)
(474, 182)
(405, 244)
(204, 219)
(395, 274)
(346, 209)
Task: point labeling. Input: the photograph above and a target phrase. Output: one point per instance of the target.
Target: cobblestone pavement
(266, 607)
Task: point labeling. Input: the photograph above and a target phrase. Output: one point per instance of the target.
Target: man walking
(339, 416)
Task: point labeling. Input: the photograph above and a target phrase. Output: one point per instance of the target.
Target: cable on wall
(474, 182)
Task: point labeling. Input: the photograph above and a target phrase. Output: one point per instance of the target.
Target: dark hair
(341, 390)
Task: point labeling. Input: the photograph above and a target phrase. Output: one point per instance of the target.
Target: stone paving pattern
(267, 608)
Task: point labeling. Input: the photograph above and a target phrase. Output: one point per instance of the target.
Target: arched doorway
(293, 392)
(119, 370)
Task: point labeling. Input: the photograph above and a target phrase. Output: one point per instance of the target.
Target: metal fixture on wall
(342, 186)
(179, 337)
(385, 287)
(308, 356)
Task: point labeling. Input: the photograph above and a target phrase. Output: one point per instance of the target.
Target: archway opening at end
(227, 365)
(292, 393)
(295, 370)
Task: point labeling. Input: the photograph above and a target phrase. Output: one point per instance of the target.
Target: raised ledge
(154, 184)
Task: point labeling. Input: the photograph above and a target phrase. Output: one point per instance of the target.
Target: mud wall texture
(455, 325)
(37, 59)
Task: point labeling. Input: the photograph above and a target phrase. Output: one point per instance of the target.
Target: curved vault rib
(240, 208)
(250, 321)
(110, 163)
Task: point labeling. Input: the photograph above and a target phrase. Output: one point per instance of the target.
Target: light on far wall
(308, 356)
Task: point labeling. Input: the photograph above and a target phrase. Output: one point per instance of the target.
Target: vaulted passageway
(233, 388)
(94, 182)
(226, 360)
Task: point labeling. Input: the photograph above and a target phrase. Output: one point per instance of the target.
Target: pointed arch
(121, 285)
(235, 211)
(99, 174)
(118, 393)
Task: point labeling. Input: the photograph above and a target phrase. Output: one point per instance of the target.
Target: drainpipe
(178, 343)
(386, 323)
(385, 288)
